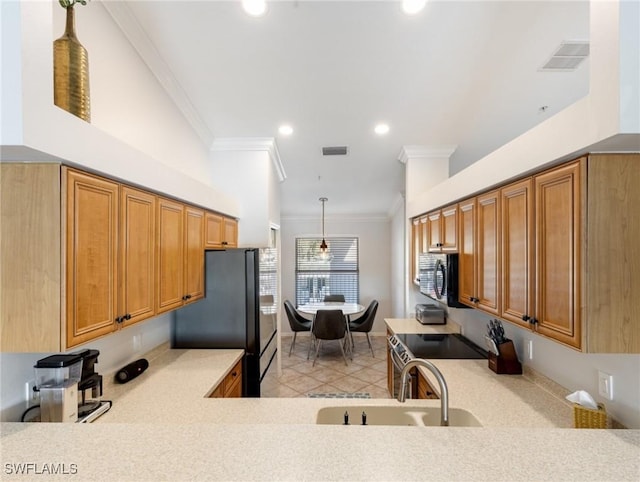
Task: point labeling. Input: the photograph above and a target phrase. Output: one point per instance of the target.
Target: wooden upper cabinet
(467, 250)
(31, 275)
(488, 252)
(558, 256)
(230, 239)
(214, 230)
(517, 252)
(220, 231)
(137, 260)
(170, 255)
(612, 276)
(442, 230)
(434, 233)
(194, 249)
(92, 253)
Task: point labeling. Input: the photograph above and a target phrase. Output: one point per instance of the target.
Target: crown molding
(425, 152)
(133, 31)
(267, 144)
(398, 203)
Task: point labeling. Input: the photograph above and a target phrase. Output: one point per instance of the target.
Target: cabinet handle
(525, 318)
(224, 243)
(533, 321)
(188, 297)
(127, 316)
(118, 319)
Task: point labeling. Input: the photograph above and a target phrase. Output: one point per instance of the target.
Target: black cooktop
(441, 346)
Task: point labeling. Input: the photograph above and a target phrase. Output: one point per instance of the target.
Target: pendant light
(323, 253)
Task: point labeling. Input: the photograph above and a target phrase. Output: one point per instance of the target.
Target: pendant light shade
(324, 254)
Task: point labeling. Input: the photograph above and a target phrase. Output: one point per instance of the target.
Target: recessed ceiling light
(381, 129)
(255, 8)
(411, 7)
(285, 130)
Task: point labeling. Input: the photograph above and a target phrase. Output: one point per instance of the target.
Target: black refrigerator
(238, 311)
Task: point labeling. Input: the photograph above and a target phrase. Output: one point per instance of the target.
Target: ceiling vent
(334, 151)
(567, 57)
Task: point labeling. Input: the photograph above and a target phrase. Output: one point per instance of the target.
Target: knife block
(507, 362)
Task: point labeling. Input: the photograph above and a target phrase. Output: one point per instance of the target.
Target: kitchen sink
(390, 415)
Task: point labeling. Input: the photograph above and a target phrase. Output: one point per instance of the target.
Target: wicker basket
(588, 418)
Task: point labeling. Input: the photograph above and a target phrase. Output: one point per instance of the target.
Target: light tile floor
(330, 374)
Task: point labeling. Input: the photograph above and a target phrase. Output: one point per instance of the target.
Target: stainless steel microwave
(438, 276)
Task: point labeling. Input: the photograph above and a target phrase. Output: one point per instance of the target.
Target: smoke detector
(567, 57)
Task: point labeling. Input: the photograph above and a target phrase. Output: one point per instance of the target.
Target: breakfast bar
(167, 429)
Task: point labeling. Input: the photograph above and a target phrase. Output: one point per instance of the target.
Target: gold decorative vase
(71, 72)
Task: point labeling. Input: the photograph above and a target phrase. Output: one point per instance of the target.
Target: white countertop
(162, 427)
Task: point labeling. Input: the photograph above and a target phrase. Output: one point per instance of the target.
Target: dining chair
(339, 298)
(297, 322)
(329, 325)
(364, 324)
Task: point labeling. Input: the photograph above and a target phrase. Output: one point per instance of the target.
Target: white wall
(593, 121)
(115, 351)
(375, 258)
(248, 173)
(137, 134)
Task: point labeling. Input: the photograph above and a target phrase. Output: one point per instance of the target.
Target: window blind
(316, 278)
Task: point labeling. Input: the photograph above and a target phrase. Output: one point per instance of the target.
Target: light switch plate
(605, 385)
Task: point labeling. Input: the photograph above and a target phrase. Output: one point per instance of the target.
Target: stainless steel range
(404, 347)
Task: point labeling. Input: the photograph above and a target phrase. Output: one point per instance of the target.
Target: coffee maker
(57, 378)
(70, 389)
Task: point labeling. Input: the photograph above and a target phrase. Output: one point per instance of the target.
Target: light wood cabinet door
(194, 250)
(220, 232)
(517, 252)
(230, 233)
(449, 226)
(137, 255)
(557, 256)
(442, 230)
(91, 259)
(434, 233)
(488, 252)
(214, 230)
(467, 249)
(170, 255)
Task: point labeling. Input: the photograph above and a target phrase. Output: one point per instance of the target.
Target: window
(315, 278)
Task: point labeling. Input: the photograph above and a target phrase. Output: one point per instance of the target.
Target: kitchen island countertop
(163, 428)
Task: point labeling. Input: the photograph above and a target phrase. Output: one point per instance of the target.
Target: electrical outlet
(605, 385)
(530, 349)
(30, 395)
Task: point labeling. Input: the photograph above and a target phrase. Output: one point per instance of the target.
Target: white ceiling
(459, 73)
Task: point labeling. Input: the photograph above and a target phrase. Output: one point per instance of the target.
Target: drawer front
(233, 381)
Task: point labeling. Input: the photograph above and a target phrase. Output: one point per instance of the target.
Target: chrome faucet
(444, 391)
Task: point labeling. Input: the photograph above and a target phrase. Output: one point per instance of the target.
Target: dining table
(347, 309)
